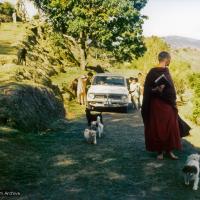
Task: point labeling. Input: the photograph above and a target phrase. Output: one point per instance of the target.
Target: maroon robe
(160, 114)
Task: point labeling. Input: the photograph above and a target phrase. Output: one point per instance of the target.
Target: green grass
(66, 78)
(10, 35)
(191, 56)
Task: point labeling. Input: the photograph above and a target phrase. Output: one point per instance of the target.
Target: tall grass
(195, 84)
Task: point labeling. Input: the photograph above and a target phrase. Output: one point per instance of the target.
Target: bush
(5, 18)
(36, 17)
(6, 11)
(6, 8)
(195, 84)
(180, 72)
(154, 46)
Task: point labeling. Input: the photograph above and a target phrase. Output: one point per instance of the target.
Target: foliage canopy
(6, 8)
(113, 25)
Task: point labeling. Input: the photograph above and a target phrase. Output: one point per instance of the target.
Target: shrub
(5, 18)
(195, 84)
(36, 17)
(6, 8)
(180, 71)
(6, 11)
(154, 46)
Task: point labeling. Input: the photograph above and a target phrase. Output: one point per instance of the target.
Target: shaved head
(164, 55)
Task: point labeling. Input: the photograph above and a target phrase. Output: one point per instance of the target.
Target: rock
(29, 107)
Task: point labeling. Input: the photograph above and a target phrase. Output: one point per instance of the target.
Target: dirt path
(61, 166)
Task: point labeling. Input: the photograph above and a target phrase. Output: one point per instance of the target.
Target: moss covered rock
(29, 107)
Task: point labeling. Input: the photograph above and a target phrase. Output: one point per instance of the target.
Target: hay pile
(29, 107)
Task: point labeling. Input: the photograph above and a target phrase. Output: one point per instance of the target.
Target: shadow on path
(60, 166)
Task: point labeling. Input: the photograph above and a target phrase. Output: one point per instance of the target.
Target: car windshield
(109, 80)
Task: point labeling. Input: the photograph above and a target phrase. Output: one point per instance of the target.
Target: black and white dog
(191, 170)
(97, 126)
(95, 122)
(92, 117)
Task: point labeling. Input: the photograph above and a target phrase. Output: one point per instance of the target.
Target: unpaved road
(61, 166)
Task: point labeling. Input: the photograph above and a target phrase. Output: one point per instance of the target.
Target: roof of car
(108, 74)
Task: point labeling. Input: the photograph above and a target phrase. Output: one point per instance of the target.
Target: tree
(154, 46)
(21, 10)
(111, 25)
(6, 8)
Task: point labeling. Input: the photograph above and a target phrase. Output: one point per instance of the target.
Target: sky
(166, 17)
(172, 17)
(29, 6)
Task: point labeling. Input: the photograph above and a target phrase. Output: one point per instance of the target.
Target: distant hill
(179, 42)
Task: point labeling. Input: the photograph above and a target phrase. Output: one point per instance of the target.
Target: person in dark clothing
(73, 86)
(159, 111)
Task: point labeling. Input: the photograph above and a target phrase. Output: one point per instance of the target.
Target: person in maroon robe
(159, 111)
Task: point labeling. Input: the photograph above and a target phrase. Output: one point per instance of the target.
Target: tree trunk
(82, 51)
(80, 47)
(83, 61)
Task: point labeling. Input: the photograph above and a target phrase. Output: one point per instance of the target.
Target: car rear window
(109, 80)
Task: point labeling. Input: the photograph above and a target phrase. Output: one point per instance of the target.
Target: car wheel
(124, 109)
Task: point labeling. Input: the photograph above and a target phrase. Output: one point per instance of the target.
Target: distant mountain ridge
(178, 42)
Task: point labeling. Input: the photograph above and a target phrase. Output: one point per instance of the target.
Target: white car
(108, 91)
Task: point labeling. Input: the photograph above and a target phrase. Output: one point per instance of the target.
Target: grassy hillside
(185, 49)
(9, 41)
(10, 37)
(25, 88)
(189, 55)
(178, 42)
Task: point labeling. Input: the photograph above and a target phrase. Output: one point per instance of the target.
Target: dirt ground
(62, 166)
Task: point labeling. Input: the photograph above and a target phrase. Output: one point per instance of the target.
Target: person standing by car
(135, 93)
(159, 111)
(81, 90)
(141, 83)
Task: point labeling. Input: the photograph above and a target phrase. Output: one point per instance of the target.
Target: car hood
(105, 89)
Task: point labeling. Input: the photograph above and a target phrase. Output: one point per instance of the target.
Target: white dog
(191, 170)
(90, 136)
(100, 126)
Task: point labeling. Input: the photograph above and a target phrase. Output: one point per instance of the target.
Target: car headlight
(124, 98)
(91, 95)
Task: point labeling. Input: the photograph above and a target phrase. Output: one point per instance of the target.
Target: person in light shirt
(81, 90)
(135, 92)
